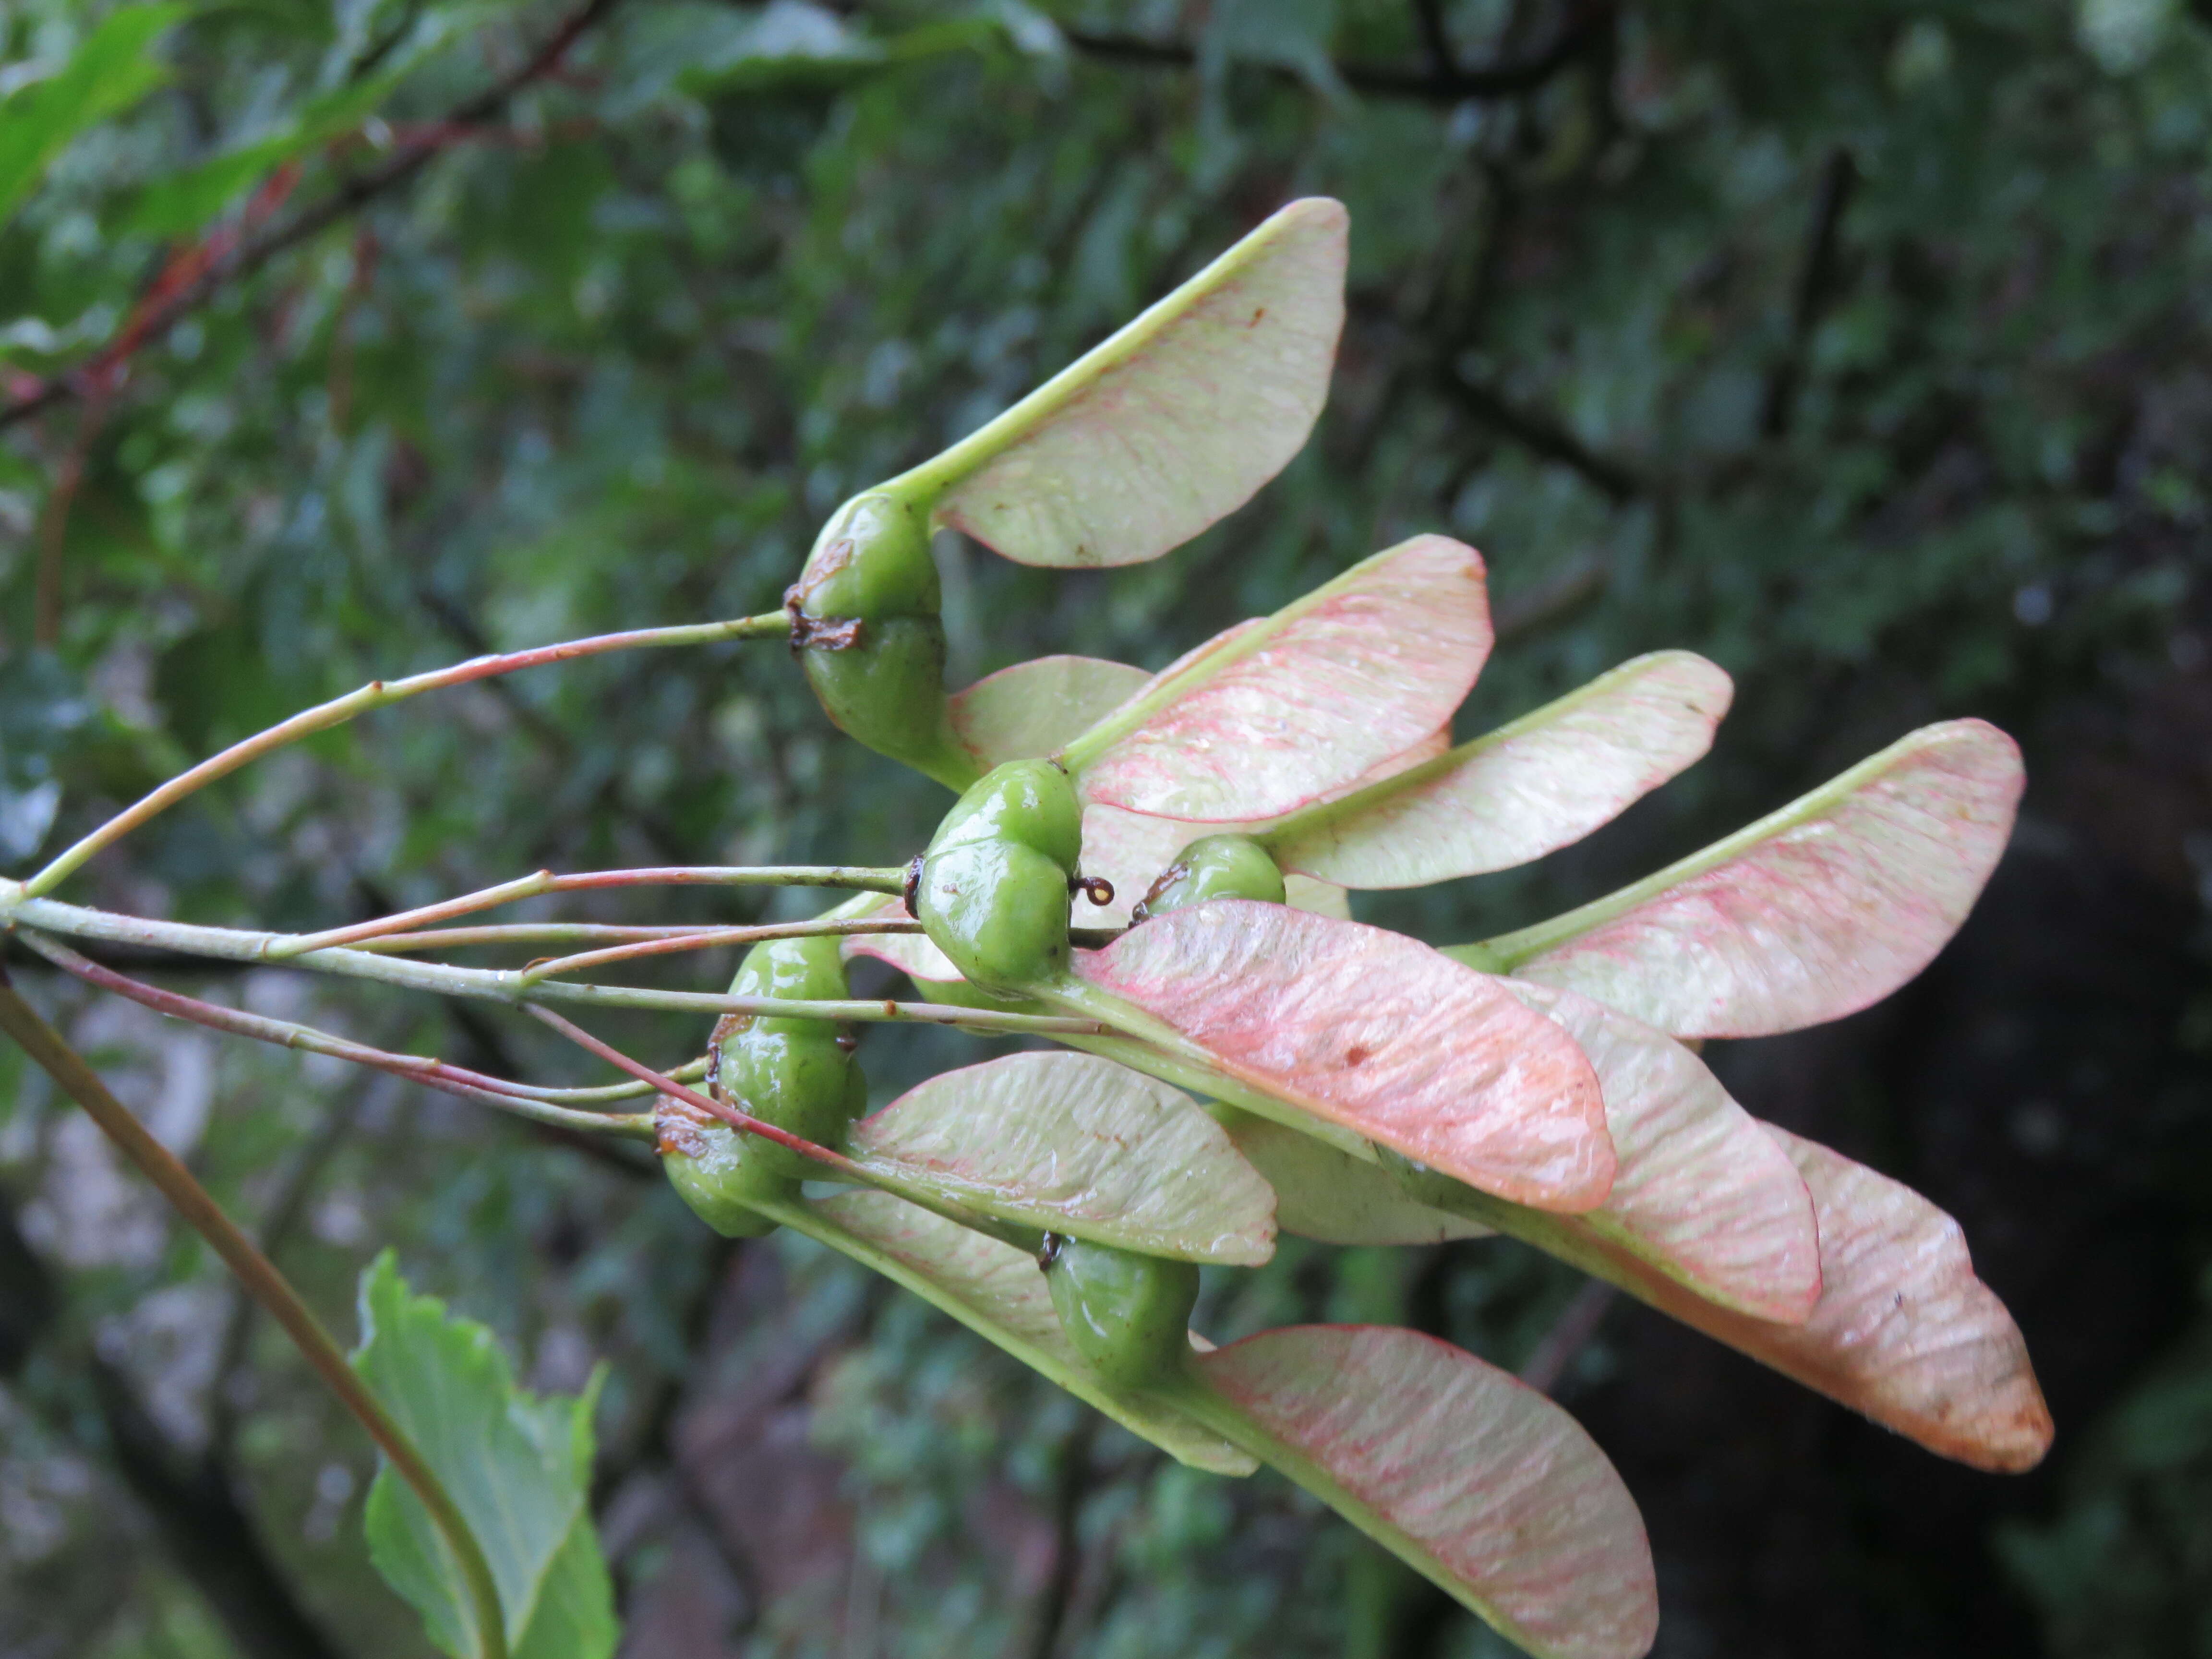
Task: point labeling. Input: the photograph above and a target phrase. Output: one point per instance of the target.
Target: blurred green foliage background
(1859, 344)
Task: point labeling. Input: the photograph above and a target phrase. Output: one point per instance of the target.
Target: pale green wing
(1034, 707)
(1527, 789)
(1170, 424)
(1811, 914)
(1325, 1194)
(1470, 1477)
(1000, 1294)
(1074, 1144)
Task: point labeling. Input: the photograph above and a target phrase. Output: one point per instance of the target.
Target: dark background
(1860, 346)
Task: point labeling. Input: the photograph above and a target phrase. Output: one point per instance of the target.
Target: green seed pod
(797, 1074)
(871, 561)
(865, 626)
(993, 889)
(998, 911)
(1127, 1316)
(1030, 803)
(1216, 867)
(705, 1163)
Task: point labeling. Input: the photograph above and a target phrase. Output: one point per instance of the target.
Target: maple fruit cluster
(1358, 1087)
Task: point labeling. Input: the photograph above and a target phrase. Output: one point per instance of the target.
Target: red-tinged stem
(268, 1286)
(520, 1098)
(1022, 1239)
(506, 892)
(241, 258)
(710, 938)
(381, 694)
(1571, 1332)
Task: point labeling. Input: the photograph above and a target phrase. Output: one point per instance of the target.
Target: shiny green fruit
(998, 909)
(810, 970)
(1215, 866)
(865, 626)
(1127, 1316)
(883, 684)
(872, 560)
(993, 889)
(797, 1074)
(706, 1163)
(1029, 803)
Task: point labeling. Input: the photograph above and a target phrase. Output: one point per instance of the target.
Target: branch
(1556, 1349)
(1547, 437)
(250, 253)
(381, 694)
(30, 1300)
(197, 1512)
(271, 1288)
(1435, 40)
(520, 1098)
(278, 1222)
(1444, 82)
(1816, 281)
(1559, 596)
(1071, 1485)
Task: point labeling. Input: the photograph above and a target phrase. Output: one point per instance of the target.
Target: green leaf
(1000, 1294)
(1077, 1144)
(517, 1467)
(183, 202)
(109, 72)
(1173, 422)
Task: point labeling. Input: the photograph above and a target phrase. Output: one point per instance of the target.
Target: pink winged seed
(1379, 1034)
(1821, 920)
(1904, 1333)
(1131, 849)
(1479, 1474)
(1363, 675)
(1505, 802)
(1702, 1192)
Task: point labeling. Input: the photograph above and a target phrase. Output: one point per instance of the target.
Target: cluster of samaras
(1365, 1088)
